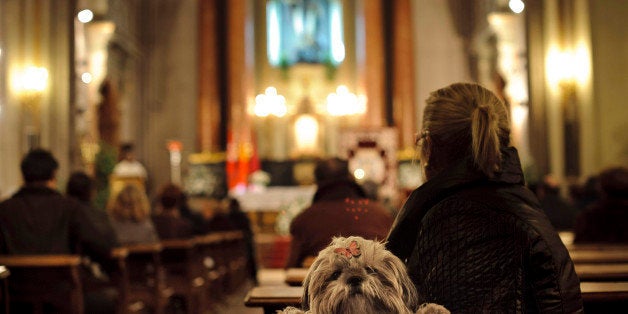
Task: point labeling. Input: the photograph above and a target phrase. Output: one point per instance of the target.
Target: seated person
(39, 220)
(602, 222)
(129, 166)
(241, 221)
(340, 207)
(560, 212)
(167, 218)
(81, 188)
(129, 211)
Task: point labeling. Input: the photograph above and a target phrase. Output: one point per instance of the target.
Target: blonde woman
(473, 236)
(130, 215)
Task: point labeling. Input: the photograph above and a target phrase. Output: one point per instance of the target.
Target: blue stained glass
(308, 31)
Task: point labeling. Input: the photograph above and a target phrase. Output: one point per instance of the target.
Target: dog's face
(355, 275)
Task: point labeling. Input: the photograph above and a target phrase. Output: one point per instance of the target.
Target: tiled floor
(234, 304)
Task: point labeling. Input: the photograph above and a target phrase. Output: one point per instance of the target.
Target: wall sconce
(30, 83)
(270, 103)
(567, 70)
(566, 67)
(345, 103)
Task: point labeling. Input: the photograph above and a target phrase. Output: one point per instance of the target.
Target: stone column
(370, 60)
(404, 102)
(208, 107)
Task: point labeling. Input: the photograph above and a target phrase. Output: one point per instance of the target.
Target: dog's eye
(370, 270)
(335, 275)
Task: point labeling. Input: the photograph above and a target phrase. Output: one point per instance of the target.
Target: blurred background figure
(128, 165)
(81, 188)
(240, 221)
(129, 210)
(604, 220)
(339, 207)
(561, 213)
(167, 217)
(583, 195)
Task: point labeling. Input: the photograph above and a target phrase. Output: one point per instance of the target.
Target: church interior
(240, 98)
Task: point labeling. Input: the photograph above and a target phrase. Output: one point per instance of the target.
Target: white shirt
(127, 168)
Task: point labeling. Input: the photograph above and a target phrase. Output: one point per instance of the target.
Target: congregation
(39, 220)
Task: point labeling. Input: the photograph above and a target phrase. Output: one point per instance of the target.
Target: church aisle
(234, 304)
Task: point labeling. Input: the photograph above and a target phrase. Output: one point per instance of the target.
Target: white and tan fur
(372, 280)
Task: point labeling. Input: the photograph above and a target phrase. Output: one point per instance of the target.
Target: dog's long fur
(372, 281)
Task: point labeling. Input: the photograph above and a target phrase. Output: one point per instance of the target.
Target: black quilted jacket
(484, 246)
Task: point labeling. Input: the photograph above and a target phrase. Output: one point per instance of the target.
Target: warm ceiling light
(87, 77)
(85, 16)
(516, 6)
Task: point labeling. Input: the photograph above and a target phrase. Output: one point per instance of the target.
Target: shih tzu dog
(355, 275)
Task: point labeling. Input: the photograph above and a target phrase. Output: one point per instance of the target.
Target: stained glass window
(308, 31)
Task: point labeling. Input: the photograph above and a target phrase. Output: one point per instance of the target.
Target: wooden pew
(214, 270)
(235, 259)
(41, 280)
(4, 286)
(598, 253)
(145, 284)
(605, 297)
(596, 296)
(273, 298)
(184, 273)
(296, 276)
(602, 272)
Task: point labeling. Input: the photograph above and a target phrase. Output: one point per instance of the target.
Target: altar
(272, 208)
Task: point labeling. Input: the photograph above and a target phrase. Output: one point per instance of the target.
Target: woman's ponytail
(485, 139)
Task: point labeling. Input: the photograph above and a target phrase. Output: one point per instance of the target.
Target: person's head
(331, 169)
(550, 185)
(130, 204)
(460, 120)
(80, 186)
(39, 166)
(127, 151)
(233, 205)
(170, 196)
(614, 182)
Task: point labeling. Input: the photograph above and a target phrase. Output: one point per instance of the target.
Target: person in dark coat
(560, 212)
(604, 220)
(340, 207)
(473, 237)
(168, 221)
(81, 187)
(240, 221)
(39, 220)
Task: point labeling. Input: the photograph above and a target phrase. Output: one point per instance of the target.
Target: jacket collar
(404, 231)
(31, 189)
(338, 189)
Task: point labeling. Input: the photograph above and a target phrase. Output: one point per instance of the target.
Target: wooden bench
(273, 298)
(45, 280)
(235, 258)
(143, 280)
(184, 273)
(605, 297)
(296, 276)
(599, 256)
(213, 267)
(4, 286)
(602, 272)
(598, 253)
(596, 295)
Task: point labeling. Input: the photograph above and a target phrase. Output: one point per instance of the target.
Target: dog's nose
(354, 280)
